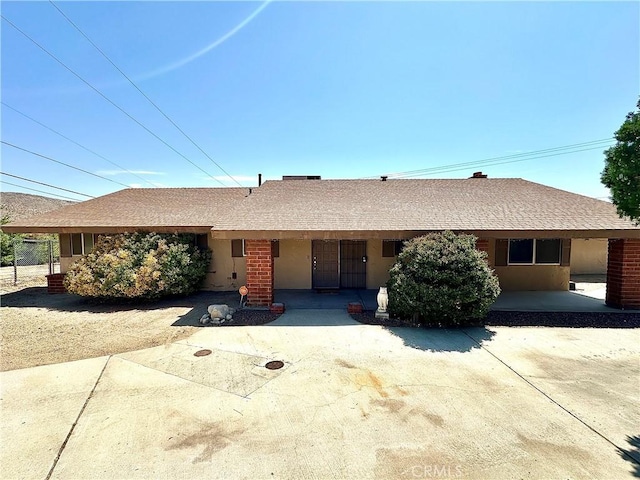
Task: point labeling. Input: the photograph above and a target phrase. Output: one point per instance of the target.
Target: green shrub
(440, 279)
(139, 265)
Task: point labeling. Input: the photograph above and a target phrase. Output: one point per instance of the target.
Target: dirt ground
(38, 329)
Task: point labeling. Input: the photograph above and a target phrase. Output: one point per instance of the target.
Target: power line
(76, 143)
(141, 92)
(107, 98)
(498, 163)
(62, 163)
(45, 184)
(413, 173)
(36, 190)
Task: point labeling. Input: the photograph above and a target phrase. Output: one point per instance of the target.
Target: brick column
(623, 273)
(55, 283)
(259, 272)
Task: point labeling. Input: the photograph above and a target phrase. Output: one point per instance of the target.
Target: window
(530, 251)
(521, 251)
(202, 240)
(81, 243)
(548, 250)
(237, 248)
(76, 244)
(391, 248)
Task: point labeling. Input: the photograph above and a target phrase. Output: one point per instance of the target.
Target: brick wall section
(623, 273)
(482, 244)
(259, 272)
(55, 283)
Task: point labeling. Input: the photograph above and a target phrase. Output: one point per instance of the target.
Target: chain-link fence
(32, 261)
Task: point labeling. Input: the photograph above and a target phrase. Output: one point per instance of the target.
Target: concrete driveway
(351, 401)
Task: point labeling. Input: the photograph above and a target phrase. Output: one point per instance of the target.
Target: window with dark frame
(540, 251)
(391, 248)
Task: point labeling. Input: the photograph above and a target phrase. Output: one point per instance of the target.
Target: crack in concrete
(73, 426)
(548, 397)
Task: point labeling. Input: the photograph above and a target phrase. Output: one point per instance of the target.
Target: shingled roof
(349, 208)
(157, 209)
(475, 204)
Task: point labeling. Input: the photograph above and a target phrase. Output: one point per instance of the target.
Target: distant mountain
(23, 205)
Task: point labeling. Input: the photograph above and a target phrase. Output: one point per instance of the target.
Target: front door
(353, 264)
(325, 264)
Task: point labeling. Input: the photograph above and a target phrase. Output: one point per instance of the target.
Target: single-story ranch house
(304, 232)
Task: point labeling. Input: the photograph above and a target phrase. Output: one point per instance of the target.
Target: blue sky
(338, 89)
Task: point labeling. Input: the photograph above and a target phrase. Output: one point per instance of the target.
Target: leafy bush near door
(441, 279)
(139, 265)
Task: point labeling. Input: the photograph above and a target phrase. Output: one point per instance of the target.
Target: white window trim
(533, 258)
(81, 244)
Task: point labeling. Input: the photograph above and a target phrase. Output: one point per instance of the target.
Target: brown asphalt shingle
(345, 205)
(461, 204)
(158, 208)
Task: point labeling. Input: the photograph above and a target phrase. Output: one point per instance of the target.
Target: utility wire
(141, 92)
(410, 173)
(36, 190)
(76, 143)
(45, 184)
(62, 163)
(498, 163)
(107, 98)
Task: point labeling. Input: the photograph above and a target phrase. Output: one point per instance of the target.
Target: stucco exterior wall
(377, 265)
(533, 277)
(292, 269)
(589, 256)
(219, 277)
(65, 263)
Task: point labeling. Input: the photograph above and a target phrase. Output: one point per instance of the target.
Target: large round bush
(139, 265)
(441, 279)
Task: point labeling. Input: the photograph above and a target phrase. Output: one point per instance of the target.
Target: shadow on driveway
(37, 297)
(632, 454)
(442, 340)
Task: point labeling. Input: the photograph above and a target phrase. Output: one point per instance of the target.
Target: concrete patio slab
(551, 302)
(38, 407)
(361, 401)
(334, 299)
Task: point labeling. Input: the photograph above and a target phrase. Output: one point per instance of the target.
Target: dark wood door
(325, 264)
(353, 264)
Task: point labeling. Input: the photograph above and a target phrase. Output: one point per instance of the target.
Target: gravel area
(38, 329)
(251, 317)
(612, 319)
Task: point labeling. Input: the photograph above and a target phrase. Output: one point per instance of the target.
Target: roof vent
(301, 177)
(384, 178)
(479, 175)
